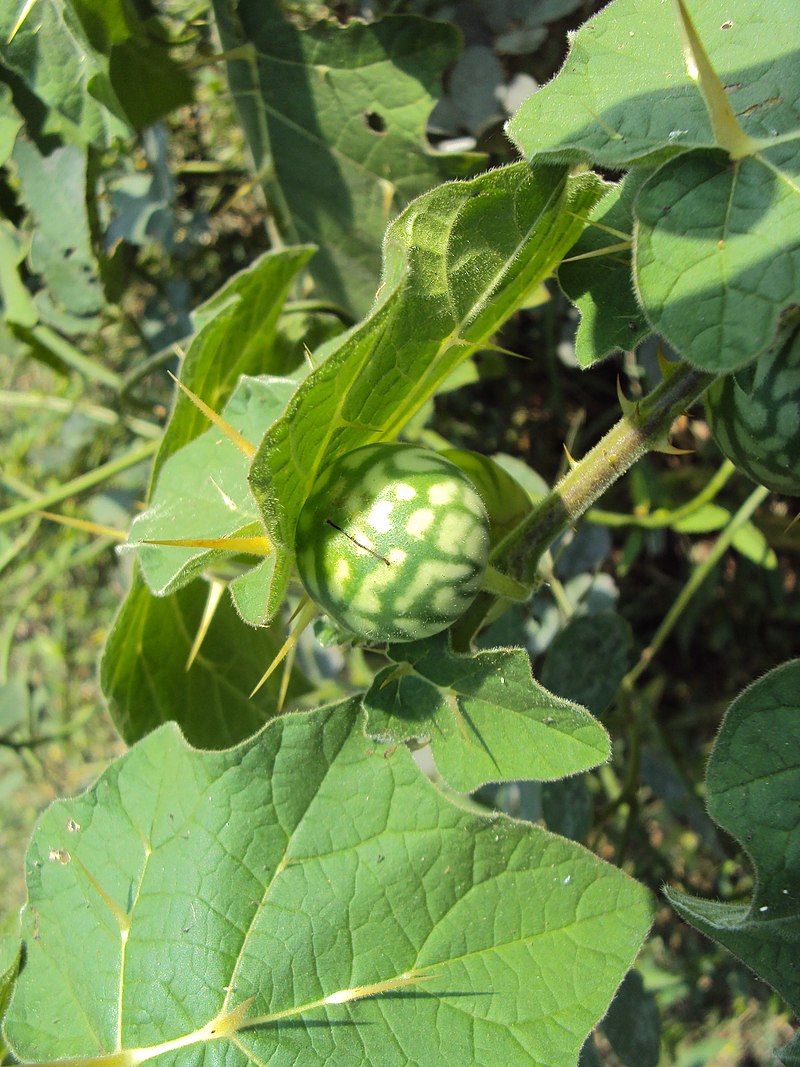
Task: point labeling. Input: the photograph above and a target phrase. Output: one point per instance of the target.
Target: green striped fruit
(393, 542)
(754, 415)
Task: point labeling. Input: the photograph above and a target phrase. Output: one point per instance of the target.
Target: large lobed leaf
(457, 263)
(716, 239)
(335, 117)
(753, 790)
(223, 907)
(624, 96)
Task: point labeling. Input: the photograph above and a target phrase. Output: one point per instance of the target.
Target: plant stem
(60, 404)
(80, 484)
(639, 431)
(661, 517)
(696, 579)
(62, 349)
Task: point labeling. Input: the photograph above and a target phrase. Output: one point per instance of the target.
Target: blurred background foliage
(127, 197)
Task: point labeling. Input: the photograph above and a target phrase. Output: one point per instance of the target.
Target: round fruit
(754, 415)
(393, 542)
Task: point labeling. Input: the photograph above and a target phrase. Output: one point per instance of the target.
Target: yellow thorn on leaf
(251, 546)
(728, 134)
(233, 435)
(306, 612)
(215, 591)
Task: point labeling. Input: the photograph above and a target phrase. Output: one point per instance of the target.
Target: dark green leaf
(753, 791)
(718, 254)
(587, 661)
(145, 682)
(146, 80)
(336, 116)
(602, 286)
(567, 807)
(633, 1025)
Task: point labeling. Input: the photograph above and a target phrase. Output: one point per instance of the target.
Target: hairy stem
(640, 430)
(696, 579)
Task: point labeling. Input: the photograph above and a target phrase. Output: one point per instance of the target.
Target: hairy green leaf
(718, 253)
(308, 898)
(458, 262)
(624, 95)
(753, 791)
(486, 718)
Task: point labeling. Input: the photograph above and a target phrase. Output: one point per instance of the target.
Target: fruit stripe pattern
(393, 542)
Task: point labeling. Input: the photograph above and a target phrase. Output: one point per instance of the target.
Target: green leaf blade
(262, 872)
(485, 716)
(335, 116)
(145, 681)
(624, 97)
(753, 786)
(717, 255)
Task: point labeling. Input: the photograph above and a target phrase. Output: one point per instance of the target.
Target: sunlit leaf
(231, 907)
(486, 718)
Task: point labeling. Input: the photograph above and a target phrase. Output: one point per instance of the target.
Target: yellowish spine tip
(86, 525)
(248, 450)
(250, 546)
(215, 591)
(304, 615)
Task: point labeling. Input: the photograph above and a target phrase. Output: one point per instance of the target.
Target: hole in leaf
(376, 122)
